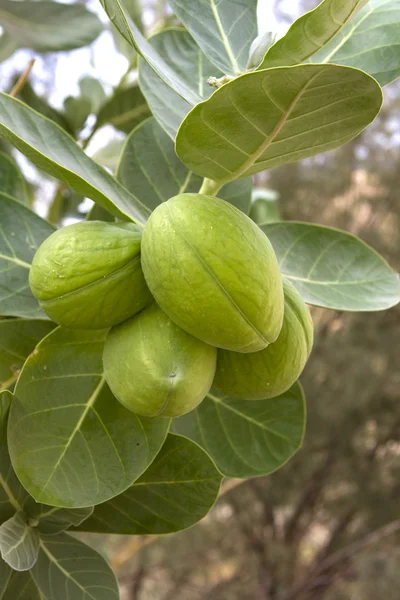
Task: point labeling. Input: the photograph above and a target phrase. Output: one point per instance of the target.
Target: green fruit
(272, 371)
(155, 368)
(214, 272)
(88, 275)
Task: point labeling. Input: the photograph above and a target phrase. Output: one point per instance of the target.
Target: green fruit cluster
(195, 299)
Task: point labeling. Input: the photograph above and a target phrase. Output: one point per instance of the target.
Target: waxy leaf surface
(21, 233)
(224, 29)
(332, 268)
(176, 491)
(150, 168)
(268, 118)
(247, 438)
(72, 444)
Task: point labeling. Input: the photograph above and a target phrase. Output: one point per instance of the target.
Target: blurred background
(326, 526)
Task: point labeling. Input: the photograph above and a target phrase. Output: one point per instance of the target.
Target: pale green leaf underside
(11, 179)
(183, 55)
(370, 42)
(19, 543)
(21, 233)
(67, 569)
(54, 151)
(332, 268)
(311, 32)
(49, 26)
(72, 444)
(268, 118)
(120, 18)
(176, 491)
(150, 168)
(18, 338)
(247, 438)
(224, 29)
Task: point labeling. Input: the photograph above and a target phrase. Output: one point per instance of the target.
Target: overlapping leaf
(124, 110)
(67, 569)
(268, 118)
(12, 181)
(51, 520)
(18, 338)
(176, 491)
(369, 42)
(54, 151)
(247, 438)
(19, 543)
(332, 268)
(21, 233)
(28, 95)
(12, 494)
(72, 444)
(122, 21)
(150, 168)
(17, 585)
(181, 53)
(224, 29)
(49, 26)
(311, 32)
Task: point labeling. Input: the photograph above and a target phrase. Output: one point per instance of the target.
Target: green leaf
(77, 111)
(150, 168)
(268, 118)
(264, 206)
(54, 151)
(7, 48)
(109, 155)
(12, 494)
(28, 95)
(92, 89)
(124, 110)
(19, 543)
(18, 338)
(332, 268)
(122, 21)
(223, 29)
(21, 233)
(49, 26)
(181, 53)
(51, 520)
(369, 42)
(176, 491)
(67, 569)
(12, 181)
(311, 32)
(247, 438)
(17, 586)
(72, 444)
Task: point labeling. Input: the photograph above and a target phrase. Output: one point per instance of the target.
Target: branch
(22, 79)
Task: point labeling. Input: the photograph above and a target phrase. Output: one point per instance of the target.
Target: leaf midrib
(77, 428)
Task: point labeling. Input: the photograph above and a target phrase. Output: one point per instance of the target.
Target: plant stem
(210, 187)
(21, 81)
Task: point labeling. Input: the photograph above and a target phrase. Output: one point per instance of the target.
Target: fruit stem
(210, 187)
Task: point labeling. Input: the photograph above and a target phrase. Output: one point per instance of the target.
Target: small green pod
(274, 370)
(214, 272)
(88, 275)
(156, 369)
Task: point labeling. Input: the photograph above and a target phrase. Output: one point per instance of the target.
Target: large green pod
(88, 275)
(155, 368)
(214, 272)
(272, 371)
